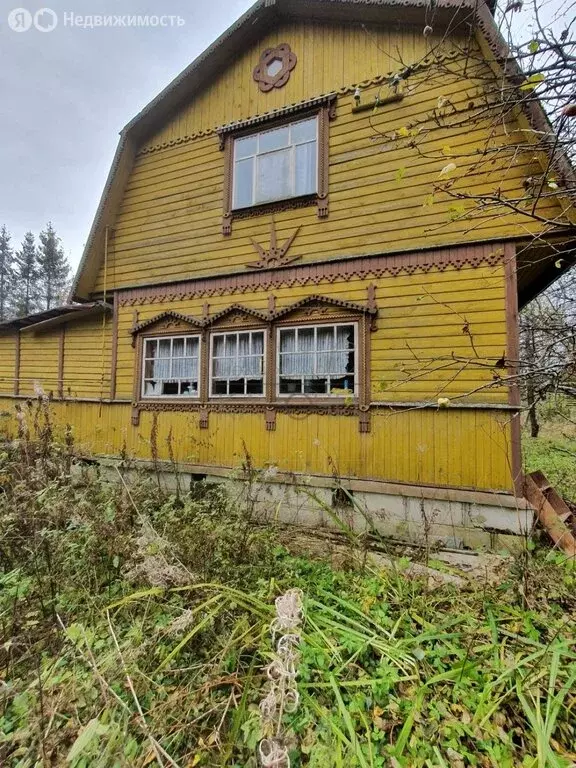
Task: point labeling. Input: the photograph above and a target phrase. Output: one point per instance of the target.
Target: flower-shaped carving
(273, 69)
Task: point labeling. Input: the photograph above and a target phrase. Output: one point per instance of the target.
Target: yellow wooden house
(298, 255)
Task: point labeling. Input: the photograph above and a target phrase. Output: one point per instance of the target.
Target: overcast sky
(66, 94)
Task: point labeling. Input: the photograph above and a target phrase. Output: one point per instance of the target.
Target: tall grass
(135, 632)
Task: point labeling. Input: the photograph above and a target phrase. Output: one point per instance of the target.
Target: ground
(137, 630)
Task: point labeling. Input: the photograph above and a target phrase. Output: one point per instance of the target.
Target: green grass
(135, 631)
(554, 452)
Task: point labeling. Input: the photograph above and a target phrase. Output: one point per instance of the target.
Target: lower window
(237, 364)
(170, 366)
(317, 360)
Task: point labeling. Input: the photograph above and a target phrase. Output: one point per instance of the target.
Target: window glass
(237, 366)
(305, 130)
(273, 178)
(276, 139)
(170, 367)
(317, 360)
(246, 147)
(276, 164)
(243, 183)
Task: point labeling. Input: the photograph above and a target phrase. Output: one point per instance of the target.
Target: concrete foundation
(440, 517)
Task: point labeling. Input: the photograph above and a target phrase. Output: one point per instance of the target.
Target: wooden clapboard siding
(7, 363)
(39, 362)
(419, 330)
(87, 359)
(446, 448)
(169, 222)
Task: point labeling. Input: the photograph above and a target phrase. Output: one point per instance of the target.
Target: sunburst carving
(275, 256)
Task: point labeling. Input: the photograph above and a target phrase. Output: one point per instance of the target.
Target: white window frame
(211, 377)
(258, 154)
(143, 379)
(284, 396)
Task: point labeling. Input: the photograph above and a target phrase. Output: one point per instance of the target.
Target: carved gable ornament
(276, 255)
(273, 69)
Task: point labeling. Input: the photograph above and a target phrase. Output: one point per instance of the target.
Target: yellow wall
(419, 330)
(380, 178)
(419, 333)
(39, 362)
(467, 448)
(7, 360)
(87, 363)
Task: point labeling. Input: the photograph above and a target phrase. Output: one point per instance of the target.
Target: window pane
(305, 172)
(275, 139)
(219, 387)
(218, 346)
(287, 341)
(245, 147)
(305, 339)
(243, 343)
(326, 338)
(185, 368)
(315, 386)
(273, 176)
(290, 386)
(192, 347)
(150, 348)
(152, 388)
(305, 130)
(164, 346)
(342, 382)
(254, 386)
(345, 337)
(149, 369)
(230, 345)
(243, 183)
(170, 388)
(257, 343)
(178, 347)
(187, 388)
(237, 386)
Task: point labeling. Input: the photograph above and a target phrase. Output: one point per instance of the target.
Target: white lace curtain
(321, 351)
(238, 355)
(172, 359)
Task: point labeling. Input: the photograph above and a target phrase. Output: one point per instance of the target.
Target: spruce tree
(6, 274)
(53, 268)
(27, 292)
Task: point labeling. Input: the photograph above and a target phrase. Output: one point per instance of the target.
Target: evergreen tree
(27, 292)
(53, 268)
(6, 274)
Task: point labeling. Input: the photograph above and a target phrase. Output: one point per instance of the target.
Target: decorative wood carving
(275, 256)
(274, 68)
(317, 273)
(166, 322)
(271, 419)
(311, 309)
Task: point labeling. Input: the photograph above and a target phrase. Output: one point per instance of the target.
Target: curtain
(329, 345)
(238, 355)
(305, 180)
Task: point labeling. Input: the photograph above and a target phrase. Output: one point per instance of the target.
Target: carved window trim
(165, 336)
(320, 323)
(222, 331)
(324, 112)
(314, 310)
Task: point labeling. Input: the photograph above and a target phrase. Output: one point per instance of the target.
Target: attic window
(279, 165)
(274, 67)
